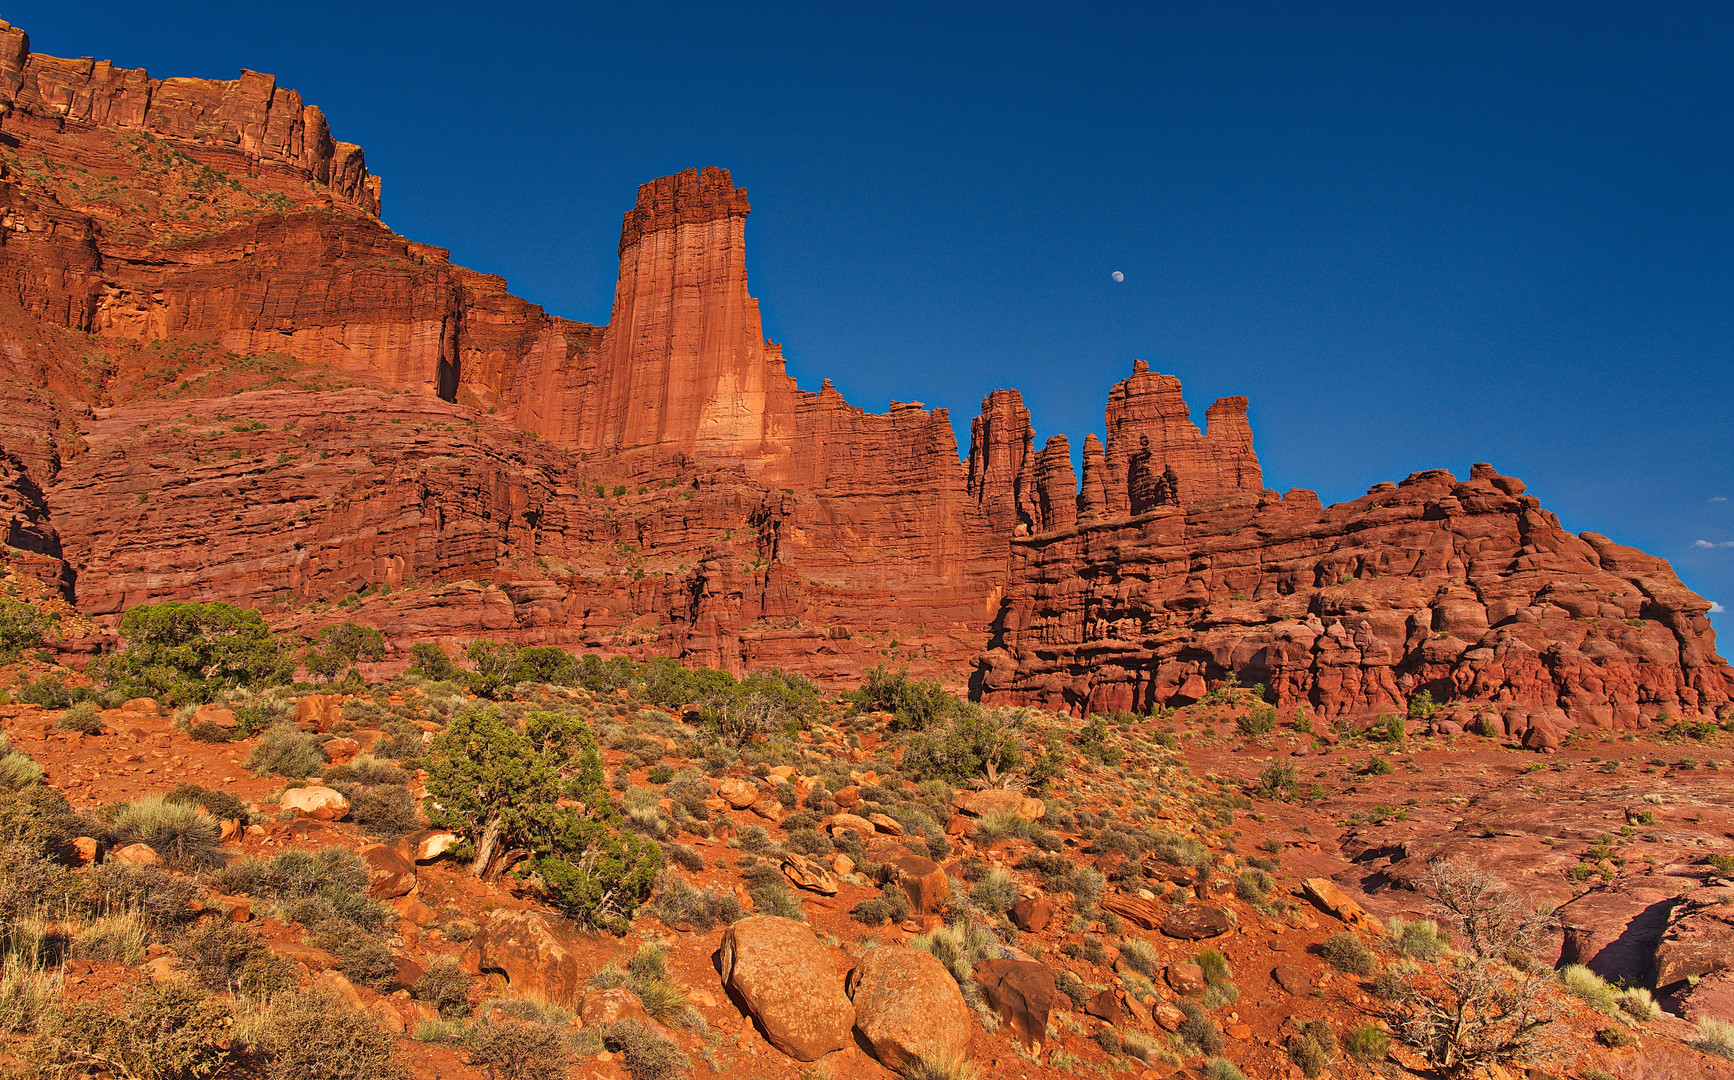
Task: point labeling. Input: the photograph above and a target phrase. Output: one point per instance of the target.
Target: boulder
(427, 845)
(1108, 1006)
(1186, 979)
(604, 1007)
(533, 954)
(391, 874)
(1032, 915)
(318, 803)
(886, 824)
(209, 714)
(804, 873)
(850, 821)
(80, 850)
(999, 801)
(319, 712)
(1327, 897)
(738, 793)
(1699, 939)
(923, 880)
(135, 855)
(341, 751)
(1293, 980)
(788, 981)
(1196, 922)
(846, 797)
(908, 1007)
(1023, 993)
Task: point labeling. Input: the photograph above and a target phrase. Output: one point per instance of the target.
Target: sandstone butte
(225, 379)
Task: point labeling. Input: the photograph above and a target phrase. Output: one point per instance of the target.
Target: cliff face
(1468, 590)
(224, 378)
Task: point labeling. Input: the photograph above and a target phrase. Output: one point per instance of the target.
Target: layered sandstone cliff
(224, 378)
(1466, 589)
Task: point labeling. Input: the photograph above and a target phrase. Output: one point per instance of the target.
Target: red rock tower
(684, 364)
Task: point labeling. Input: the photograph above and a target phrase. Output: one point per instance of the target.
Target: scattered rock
(1032, 915)
(318, 803)
(135, 855)
(788, 981)
(1185, 978)
(391, 874)
(1327, 897)
(1023, 993)
(530, 952)
(885, 824)
(1196, 922)
(804, 873)
(923, 880)
(907, 1007)
(739, 794)
(1293, 980)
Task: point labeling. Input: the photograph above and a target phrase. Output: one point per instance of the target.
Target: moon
(1117, 276)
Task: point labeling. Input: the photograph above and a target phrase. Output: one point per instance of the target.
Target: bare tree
(1481, 1013)
(1492, 918)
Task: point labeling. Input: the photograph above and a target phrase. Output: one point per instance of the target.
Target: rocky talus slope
(225, 378)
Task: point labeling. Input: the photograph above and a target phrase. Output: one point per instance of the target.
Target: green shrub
(22, 627)
(1260, 721)
(1583, 983)
(502, 784)
(995, 893)
(646, 1055)
(118, 939)
(182, 653)
(51, 692)
(227, 957)
(286, 751)
(222, 805)
(163, 1030)
(1197, 1029)
(18, 770)
(1368, 1042)
(365, 959)
(341, 646)
(386, 810)
(1348, 953)
(429, 661)
(914, 704)
(1715, 1037)
(1421, 705)
(1378, 766)
(1214, 966)
(774, 898)
(83, 717)
(1639, 1003)
(516, 1050)
(978, 743)
(445, 986)
(1420, 938)
(1140, 956)
(1313, 1048)
(1222, 1069)
(184, 834)
(309, 1035)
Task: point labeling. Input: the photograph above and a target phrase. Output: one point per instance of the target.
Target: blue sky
(1415, 235)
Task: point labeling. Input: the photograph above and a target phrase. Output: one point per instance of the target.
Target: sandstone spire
(684, 364)
(1092, 500)
(1056, 486)
(1002, 462)
(1146, 413)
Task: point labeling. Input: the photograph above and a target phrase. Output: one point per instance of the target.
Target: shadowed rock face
(225, 379)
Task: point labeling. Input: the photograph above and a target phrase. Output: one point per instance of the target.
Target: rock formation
(1466, 589)
(225, 379)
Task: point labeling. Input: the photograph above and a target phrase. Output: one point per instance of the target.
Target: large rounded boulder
(789, 982)
(908, 1007)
